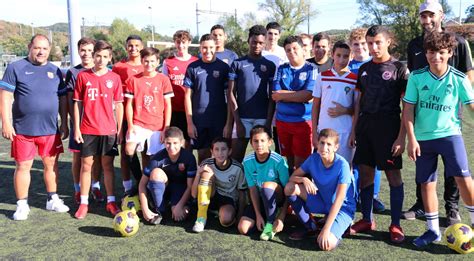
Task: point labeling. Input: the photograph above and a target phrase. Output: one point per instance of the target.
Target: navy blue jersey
(227, 56)
(71, 76)
(382, 86)
(177, 172)
(295, 79)
(253, 79)
(35, 89)
(208, 82)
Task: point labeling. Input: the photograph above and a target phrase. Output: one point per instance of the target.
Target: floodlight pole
(74, 29)
(152, 25)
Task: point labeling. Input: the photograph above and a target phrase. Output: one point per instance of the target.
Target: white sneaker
(21, 212)
(199, 225)
(56, 204)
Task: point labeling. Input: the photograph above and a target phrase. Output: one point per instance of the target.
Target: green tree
(15, 44)
(401, 16)
(288, 13)
(470, 14)
(120, 29)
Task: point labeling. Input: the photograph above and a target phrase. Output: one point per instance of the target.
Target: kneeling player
(219, 184)
(434, 128)
(168, 179)
(266, 173)
(330, 192)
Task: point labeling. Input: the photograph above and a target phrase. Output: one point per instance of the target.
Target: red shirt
(98, 94)
(148, 94)
(176, 69)
(126, 70)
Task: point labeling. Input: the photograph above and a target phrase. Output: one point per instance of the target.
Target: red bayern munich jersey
(148, 94)
(126, 70)
(176, 69)
(98, 94)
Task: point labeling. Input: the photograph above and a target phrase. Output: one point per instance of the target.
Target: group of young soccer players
(332, 116)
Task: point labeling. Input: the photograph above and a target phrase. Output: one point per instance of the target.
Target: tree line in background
(400, 15)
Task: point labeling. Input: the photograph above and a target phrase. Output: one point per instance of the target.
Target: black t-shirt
(461, 60)
(381, 86)
(321, 67)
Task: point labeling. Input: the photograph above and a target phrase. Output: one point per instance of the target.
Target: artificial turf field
(47, 235)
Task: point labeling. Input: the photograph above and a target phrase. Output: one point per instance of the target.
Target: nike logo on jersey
(28, 73)
(246, 65)
(199, 72)
(418, 53)
(464, 170)
(176, 68)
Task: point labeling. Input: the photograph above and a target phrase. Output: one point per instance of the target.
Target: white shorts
(344, 150)
(142, 135)
(248, 125)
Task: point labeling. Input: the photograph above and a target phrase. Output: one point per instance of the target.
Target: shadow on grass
(99, 231)
(7, 213)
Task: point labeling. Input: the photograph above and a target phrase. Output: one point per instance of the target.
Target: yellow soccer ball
(458, 238)
(131, 203)
(126, 223)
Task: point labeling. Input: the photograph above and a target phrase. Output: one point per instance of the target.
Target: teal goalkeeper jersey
(437, 102)
(274, 169)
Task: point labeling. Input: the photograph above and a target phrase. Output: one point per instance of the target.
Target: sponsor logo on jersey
(263, 68)
(425, 88)
(303, 76)
(231, 178)
(109, 84)
(175, 68)
(147, 100)
(387, 75)
(50, 75)
(29, 73)
(92, 93)
(181, 167)
(216, 74)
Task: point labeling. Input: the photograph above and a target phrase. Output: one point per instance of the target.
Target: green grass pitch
(47, 235)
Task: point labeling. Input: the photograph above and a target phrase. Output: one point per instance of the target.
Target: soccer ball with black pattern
(458, 237)
(126, 223)
(131, 203)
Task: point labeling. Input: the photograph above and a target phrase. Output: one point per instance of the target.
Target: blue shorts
(205, 136)
(454, 156)
(316, 205)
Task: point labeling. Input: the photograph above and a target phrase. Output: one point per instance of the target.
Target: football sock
(21, 202)
(432, 221)
(95, 185)
(396, 203)
(135, 167)
(157, 189)
(85, 200)
(269, 202)
(471, 213)
(297, 204)
(110, 199)
(366, 202)
(77, 187)
(127, 185)
(50, 195)
(378, 175)
(204, 196)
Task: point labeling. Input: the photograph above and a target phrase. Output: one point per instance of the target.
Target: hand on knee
(290, 189)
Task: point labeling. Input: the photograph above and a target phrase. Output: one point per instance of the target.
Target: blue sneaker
(378, 205)
(427, 238)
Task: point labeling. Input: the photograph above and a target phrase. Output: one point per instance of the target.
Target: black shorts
(218, 200)
(375, 135)
(178, 119)
(99, 145)
(172, 195)
(205, 136)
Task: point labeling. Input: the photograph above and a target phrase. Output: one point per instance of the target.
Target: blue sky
(171, 15)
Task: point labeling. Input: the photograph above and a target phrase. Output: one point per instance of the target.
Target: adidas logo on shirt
(176, 68)
(425, 88)
(363, 74)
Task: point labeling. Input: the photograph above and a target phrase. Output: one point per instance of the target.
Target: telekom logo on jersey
(92, 93)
